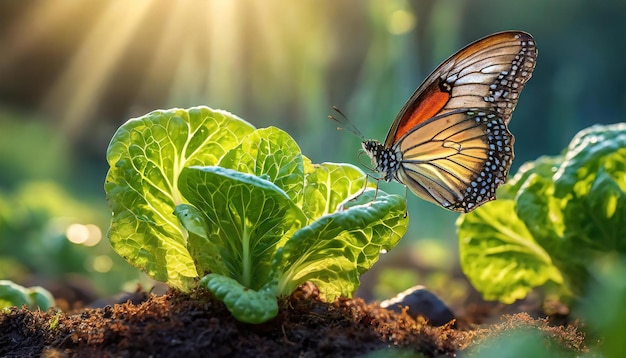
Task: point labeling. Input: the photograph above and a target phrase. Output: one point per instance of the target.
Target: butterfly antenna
(345, 124)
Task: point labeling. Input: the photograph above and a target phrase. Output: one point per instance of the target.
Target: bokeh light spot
(102, 263)
(77, 233)
(88, 235)
(401, 22)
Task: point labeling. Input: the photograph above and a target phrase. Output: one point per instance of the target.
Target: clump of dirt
(567, 338)
(197, 325)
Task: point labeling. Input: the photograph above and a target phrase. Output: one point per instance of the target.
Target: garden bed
(197, 325)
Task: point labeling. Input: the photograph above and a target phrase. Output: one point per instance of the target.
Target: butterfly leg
(406, 195)
(357, 194)
(367, 176)
(377, 185)
(362, 191)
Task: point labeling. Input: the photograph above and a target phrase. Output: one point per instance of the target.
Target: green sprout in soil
(202, 198)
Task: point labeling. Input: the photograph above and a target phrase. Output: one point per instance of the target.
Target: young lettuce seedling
(199, 197)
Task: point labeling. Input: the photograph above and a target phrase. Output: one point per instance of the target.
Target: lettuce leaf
(336, 249)
(247, 305)
(246, 219)
(593, 181)
(272, 154)
(328, 185)
(500, 256)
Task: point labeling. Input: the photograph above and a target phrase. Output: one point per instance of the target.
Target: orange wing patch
(432, 103)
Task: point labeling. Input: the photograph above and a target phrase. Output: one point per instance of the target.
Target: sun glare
(185, 49)
(81, 84)
(125, 58)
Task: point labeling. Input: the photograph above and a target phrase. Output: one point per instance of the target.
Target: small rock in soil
(420, 302)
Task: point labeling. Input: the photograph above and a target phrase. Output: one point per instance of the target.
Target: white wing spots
(504, 91)
(452, 78)
(482, 187)
(492, 76)
(474, 77)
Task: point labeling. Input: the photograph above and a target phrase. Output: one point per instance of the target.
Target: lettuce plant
(551, 221)
(201, 197)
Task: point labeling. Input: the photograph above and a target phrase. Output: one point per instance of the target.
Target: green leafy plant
(551, 221)
(200, 197)
(12, 294)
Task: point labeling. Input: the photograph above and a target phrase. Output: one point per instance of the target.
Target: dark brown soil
(196, 325)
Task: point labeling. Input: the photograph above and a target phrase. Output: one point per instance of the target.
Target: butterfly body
(386, 160)
(450, 143)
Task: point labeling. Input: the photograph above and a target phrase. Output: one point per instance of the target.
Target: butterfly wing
(487, 74)
(456, 160)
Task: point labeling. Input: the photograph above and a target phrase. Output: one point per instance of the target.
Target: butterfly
(450, 143)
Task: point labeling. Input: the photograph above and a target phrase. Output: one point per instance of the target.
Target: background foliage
(72, 72)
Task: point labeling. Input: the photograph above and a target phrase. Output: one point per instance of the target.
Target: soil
(197, 325)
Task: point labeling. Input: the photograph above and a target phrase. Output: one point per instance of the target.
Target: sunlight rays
(79, 87)
(225, 52)
(210, 59)
(162, 60)
(119, 58)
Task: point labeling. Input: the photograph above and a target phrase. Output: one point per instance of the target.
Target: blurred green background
(71, 72)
